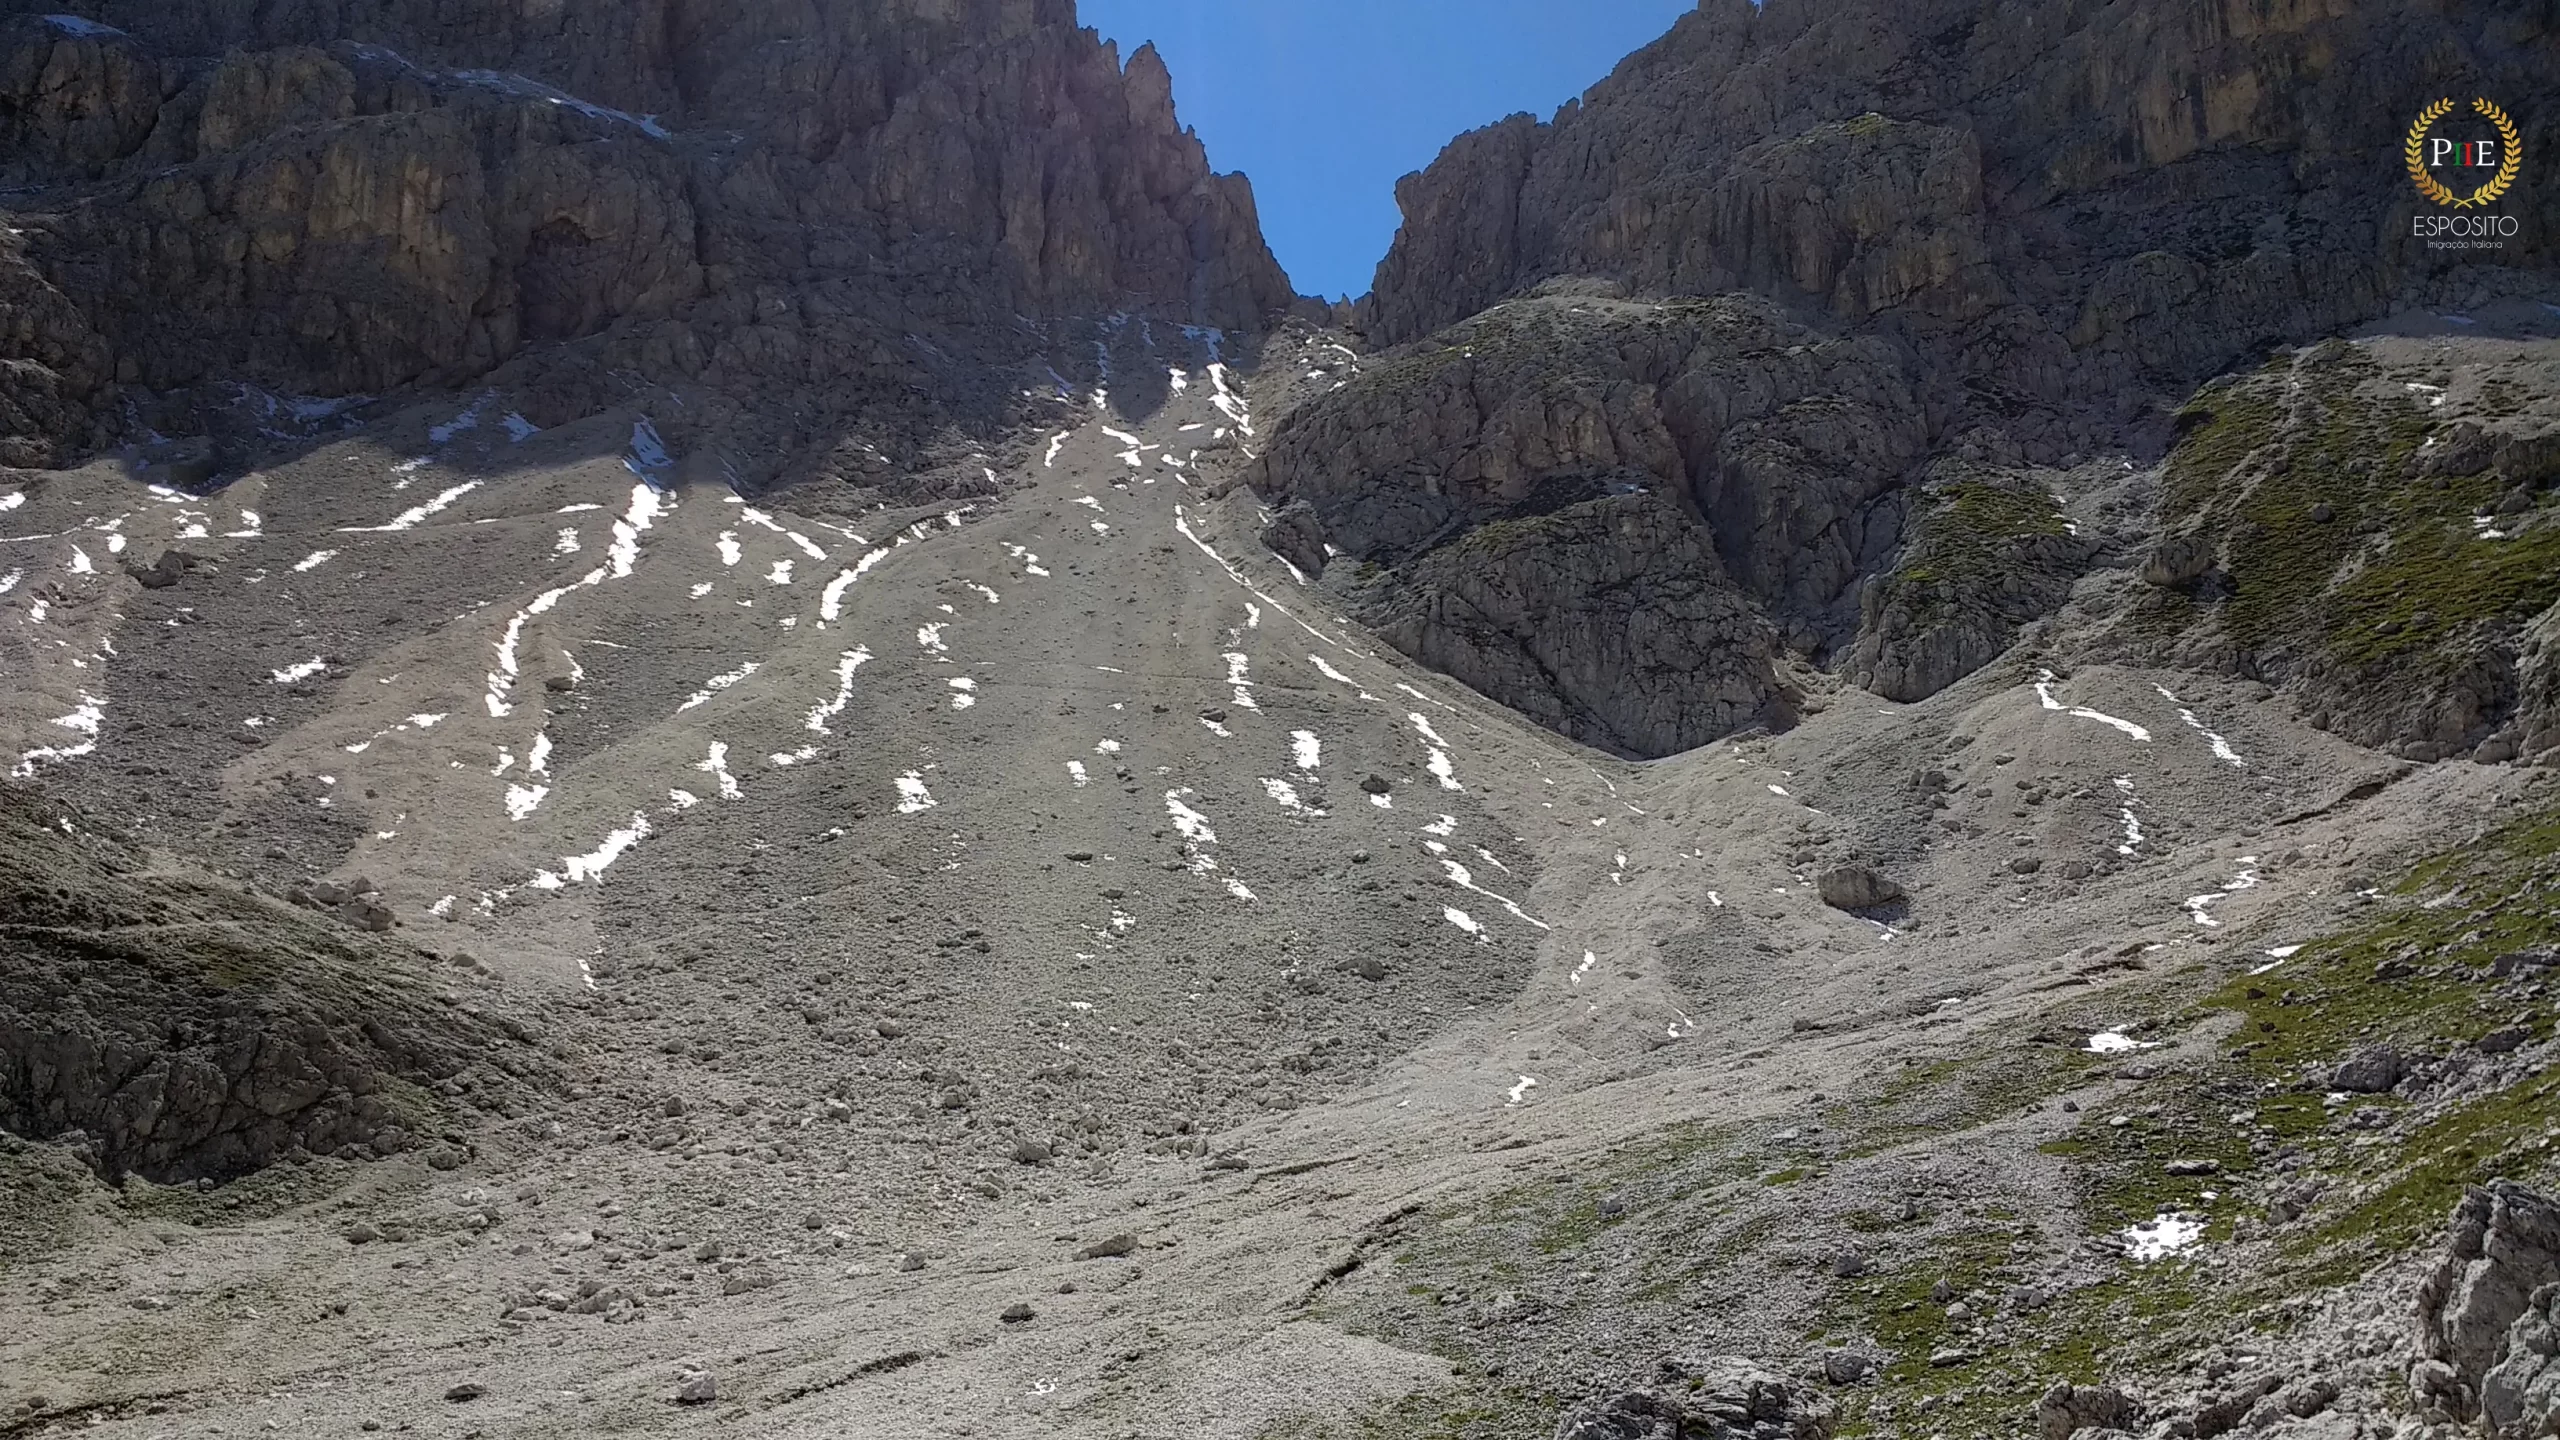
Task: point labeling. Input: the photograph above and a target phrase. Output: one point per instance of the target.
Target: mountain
(719, 717)
(241, 217)
(1984, 245)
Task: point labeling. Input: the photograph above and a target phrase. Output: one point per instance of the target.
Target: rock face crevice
(345, 201)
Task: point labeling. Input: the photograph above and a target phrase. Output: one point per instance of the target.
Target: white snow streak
(412, 517)
(2200, 907)
(2044, 693)
(718, 683)
(2221, 748)
(852, 660)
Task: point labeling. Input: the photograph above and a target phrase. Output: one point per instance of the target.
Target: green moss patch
(2333, 543)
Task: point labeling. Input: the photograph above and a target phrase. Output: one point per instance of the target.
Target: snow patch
(716, 765)
(2116, 1042)
(648, 458)
(2161, 1236)
(303, 670)
(913, 798)
(1285, 795)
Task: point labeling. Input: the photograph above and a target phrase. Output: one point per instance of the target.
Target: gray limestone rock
(2502, 1252)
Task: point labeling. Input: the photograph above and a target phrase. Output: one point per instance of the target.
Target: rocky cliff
(2036, 228)
(278, 208)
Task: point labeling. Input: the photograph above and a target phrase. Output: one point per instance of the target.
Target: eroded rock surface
(2501, 1258)
(749, 199)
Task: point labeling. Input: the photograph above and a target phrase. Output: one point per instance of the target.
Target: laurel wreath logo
(2413, 153)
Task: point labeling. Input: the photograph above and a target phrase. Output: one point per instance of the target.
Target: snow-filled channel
(852, 660)
(590, 867)
(831, 603)
(1461, 877)
(416, 515)
(620, 559)
(2221, 748)
(2045, 681)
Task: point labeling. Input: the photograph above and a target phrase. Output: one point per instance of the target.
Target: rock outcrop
(1720, 1396)
(803, 202)
(2483, 1315)
(2520, 1396)
(1611, 515)
(175, 1029)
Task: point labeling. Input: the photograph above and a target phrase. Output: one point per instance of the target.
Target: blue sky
(1326, 102)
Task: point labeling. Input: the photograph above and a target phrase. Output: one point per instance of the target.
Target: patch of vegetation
(2331, 538)
(1970, 540)
(1978, 1375)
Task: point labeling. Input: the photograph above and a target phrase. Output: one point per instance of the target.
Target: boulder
(1855, 887)
(2371, 1071)
(2067, 1409)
